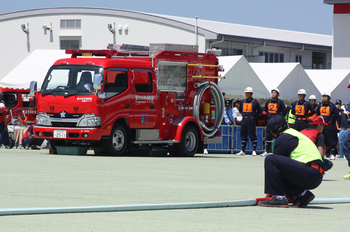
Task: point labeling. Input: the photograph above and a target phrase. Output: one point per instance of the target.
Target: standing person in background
(342, 127)
(330, 114)
(301, 109)
(250, 108)
(238, 114)
(4, 135)
(273, 106)
(230, 114)
(312, 100)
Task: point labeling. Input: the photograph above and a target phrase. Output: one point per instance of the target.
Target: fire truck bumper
(68, 133)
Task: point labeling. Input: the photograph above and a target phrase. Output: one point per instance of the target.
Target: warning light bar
(106, 53)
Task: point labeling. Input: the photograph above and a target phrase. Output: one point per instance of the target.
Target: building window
(230, 51)
(70, 23)
(271, 57)
(69, 44)
(298, 58)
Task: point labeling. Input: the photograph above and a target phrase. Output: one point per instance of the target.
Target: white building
(341, 33)
(93, 28)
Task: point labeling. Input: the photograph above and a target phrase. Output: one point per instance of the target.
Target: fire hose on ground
(166, 206)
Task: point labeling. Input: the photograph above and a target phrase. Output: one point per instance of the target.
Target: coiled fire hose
(218, 99)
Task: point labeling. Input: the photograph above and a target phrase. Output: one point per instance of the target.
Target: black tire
(117, 143)
(189, 143)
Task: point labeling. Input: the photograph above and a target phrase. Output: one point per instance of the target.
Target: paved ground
(37, 179)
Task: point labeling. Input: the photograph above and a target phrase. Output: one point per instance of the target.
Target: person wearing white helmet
(272, 107)
(301, 109)
(312, 100)
(250, 109)
(330, 114)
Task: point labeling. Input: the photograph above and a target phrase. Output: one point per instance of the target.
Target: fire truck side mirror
(32, 88)
(98, 80)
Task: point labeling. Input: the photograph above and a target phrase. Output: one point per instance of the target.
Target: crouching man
(294, 167)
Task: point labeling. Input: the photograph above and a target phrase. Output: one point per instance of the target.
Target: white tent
(238, 75)
(287, 77)
(32, 68)
(334, 81)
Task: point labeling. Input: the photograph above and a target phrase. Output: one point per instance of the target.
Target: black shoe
(303, 201)
(274, 202)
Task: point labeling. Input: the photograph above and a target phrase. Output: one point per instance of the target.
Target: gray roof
(336, 1)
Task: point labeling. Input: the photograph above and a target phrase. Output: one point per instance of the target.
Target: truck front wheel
(189, 142)
(117, 142)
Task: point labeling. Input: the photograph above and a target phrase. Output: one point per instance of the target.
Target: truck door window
(27, 100)
(143, 81)
(10, 100)
(116, 82)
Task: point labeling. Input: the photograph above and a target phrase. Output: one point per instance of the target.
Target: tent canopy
(334, 81)
(239, 75)
(32, 68)
(287, 77)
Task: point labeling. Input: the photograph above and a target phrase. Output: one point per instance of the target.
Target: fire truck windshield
(70, 79)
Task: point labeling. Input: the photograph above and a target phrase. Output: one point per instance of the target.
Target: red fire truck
(21, 106)
(119, 99)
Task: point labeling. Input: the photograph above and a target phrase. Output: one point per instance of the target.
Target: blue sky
(297, 15)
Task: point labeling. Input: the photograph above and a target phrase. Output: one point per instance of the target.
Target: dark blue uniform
(330, 114)
(346, 148)
(284, 175)
(4, 136)
(302, 110)
(343, 125)
(249, 109)
(272, 107)
(343, 121)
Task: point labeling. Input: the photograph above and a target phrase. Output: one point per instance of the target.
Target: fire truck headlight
(90, 122)
(41, 120)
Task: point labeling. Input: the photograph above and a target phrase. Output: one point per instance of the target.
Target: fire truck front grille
(58, 115)
(64, 124)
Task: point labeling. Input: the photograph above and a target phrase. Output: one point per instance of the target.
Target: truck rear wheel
(189, 143)
(117, 142)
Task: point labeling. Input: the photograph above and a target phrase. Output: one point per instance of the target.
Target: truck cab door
(143, 107)
(117, 101)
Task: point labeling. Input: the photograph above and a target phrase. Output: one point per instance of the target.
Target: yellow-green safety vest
(290, 121)
(306, 151)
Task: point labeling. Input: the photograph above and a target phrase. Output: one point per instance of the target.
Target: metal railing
(230, 140)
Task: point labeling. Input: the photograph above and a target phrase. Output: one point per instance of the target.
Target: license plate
(60, 134)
